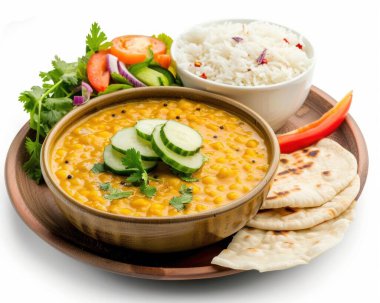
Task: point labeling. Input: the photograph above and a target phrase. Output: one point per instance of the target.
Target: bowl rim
(311, 52)
(123, 96)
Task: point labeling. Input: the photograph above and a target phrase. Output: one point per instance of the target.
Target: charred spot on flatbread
(290, 210)
(306, 165)
(296, 171)
(326, 173)
(313, 153)
(279, 194)
(286, 211)
(284, 161)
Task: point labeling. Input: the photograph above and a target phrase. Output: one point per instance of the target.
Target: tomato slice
(97, 71)
(132, 49)
(163, 60)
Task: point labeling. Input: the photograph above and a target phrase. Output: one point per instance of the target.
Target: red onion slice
(260, 59)
(78, 100)
(237, 39)
(86, 94)
(112, 64)
(127, 75)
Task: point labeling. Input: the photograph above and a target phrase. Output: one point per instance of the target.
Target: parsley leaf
(30, 98)
(65, 71)
(134, 178)
(118, 195)
(52, 110)
(185, 198)
(32, 166)
(114, 193)
(96, 40)
(105, 186)
(183, 176)
(185, 190)
(132, 160)
(82, 67)
(98, 168)
(148, 190)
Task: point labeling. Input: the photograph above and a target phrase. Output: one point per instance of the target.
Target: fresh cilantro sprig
(48, 103)
(186, 196)
(46, 106)
(114, 193)
(96, 40)
(132, 160)
(148, 190)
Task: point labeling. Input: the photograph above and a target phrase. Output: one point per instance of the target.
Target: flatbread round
(312, 176)
(262, 250)
(300, 218)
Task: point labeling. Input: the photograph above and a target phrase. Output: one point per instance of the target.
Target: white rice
(226, 61)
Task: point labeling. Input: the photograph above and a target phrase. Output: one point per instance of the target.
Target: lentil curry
(236, 159)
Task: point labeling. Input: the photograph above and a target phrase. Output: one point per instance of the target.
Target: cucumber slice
(151, 77)
(165, 72)
(144, 128)
(181, 138)
(113, 162)
(127, 138)
(183, 164)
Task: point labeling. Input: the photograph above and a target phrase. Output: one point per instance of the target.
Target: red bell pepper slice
(315, 131)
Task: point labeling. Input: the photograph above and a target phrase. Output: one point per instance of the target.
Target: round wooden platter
(34, 203)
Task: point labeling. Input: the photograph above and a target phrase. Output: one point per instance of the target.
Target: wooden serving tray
(34, 203)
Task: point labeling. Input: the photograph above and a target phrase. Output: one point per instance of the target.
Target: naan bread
(312, 176)
(262, 250)
(301, 218)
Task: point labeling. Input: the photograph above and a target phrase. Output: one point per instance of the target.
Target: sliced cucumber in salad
(113, 162)
(180, 138)
(144, 128)
(151, 77)
(127, 138)
(168, 75)
(185, 164)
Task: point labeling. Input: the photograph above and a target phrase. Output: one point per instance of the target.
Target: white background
(346, 38)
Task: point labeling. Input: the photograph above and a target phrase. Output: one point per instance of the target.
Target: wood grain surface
(34, 204)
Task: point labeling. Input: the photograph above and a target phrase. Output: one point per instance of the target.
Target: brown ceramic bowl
(162, 234)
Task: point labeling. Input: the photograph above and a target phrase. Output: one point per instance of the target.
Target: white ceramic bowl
(276, 103)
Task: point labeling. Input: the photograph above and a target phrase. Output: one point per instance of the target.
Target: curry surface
(237, 159)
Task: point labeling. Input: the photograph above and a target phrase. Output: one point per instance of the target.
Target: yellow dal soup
(236, 154)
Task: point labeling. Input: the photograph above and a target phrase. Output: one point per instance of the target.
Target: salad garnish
(186, 196)
(70, 84)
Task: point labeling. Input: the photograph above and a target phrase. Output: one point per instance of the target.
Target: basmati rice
(243, 54)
